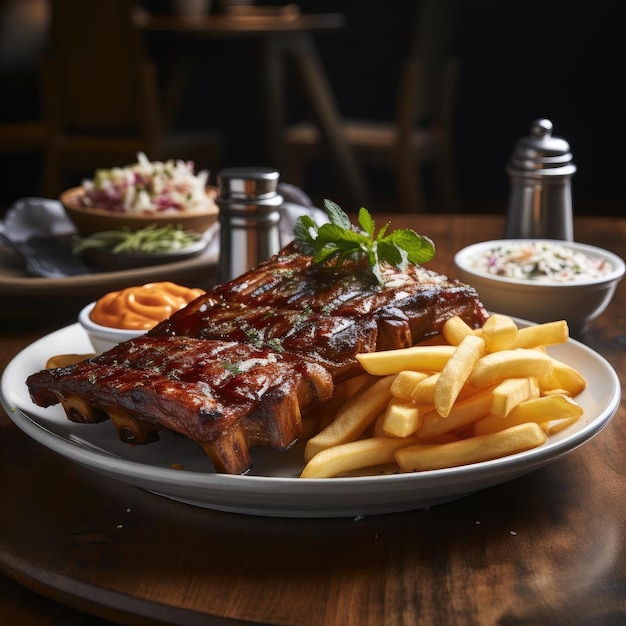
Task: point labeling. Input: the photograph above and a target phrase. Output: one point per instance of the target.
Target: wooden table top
(253, 25)
(546, 548)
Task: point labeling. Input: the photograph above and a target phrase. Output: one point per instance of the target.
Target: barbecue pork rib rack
(239, 365)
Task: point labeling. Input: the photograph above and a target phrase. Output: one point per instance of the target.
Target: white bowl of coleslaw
(542, 280)
(146, 192)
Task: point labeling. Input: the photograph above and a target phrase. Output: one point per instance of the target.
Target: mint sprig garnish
(339, 240)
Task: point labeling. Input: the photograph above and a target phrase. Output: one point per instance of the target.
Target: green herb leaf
(339, 240)
(366, 221)
(337, 215)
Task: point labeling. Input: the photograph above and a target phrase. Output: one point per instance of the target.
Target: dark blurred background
(517, 60)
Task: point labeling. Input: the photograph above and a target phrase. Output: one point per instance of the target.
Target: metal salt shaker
(249, 216)
(540, 201)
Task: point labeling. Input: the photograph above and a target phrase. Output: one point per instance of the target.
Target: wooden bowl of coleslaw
(542, 280)
(144, 193)
(91, 219)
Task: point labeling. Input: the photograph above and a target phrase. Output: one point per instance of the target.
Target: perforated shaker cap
(541, 153)
(249, 183)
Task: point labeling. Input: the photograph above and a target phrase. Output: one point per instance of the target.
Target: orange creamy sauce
(142, 307)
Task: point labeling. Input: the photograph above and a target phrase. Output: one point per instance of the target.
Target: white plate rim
(292, 496)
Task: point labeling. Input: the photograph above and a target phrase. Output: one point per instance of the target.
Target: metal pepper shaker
(540, 201)
(249, 215)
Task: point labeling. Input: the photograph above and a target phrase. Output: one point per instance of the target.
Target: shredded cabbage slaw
(541, 261)
(148, 187)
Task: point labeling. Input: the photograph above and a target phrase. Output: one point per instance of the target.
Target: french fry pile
(475, 395)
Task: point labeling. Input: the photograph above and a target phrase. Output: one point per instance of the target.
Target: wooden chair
(101, 96)
(23, 32)
(23, 136)
(420, 135)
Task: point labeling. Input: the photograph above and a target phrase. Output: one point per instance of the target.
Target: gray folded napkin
(40, 231)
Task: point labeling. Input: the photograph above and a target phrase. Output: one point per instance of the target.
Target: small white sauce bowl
(104, 338)
(578, 302)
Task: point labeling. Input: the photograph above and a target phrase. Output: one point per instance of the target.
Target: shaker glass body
(249, 217)
(540, 200)
(247, 237)
(540, 207)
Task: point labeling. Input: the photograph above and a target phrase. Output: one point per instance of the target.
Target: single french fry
(353, 418)
(548, 334)
(402, 418)
(418, 358)
(563, 376)
(538, 410)
(353, 385)
(455, 329)
(424, 391)
(518, 363)
(551, 428)
(377, 426)
(353, 455)
(455, 373)
(499, 332)
(548, 407)
(510, 392)
(556, 392)
(473, 450)
(63, 360)
(463, 413)
(405, 382)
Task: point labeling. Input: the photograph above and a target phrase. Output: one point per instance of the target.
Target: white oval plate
(274, 489)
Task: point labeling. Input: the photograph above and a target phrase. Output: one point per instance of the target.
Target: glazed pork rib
(227, 396)
(330, 340)
(238, 366)
(329, 314)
